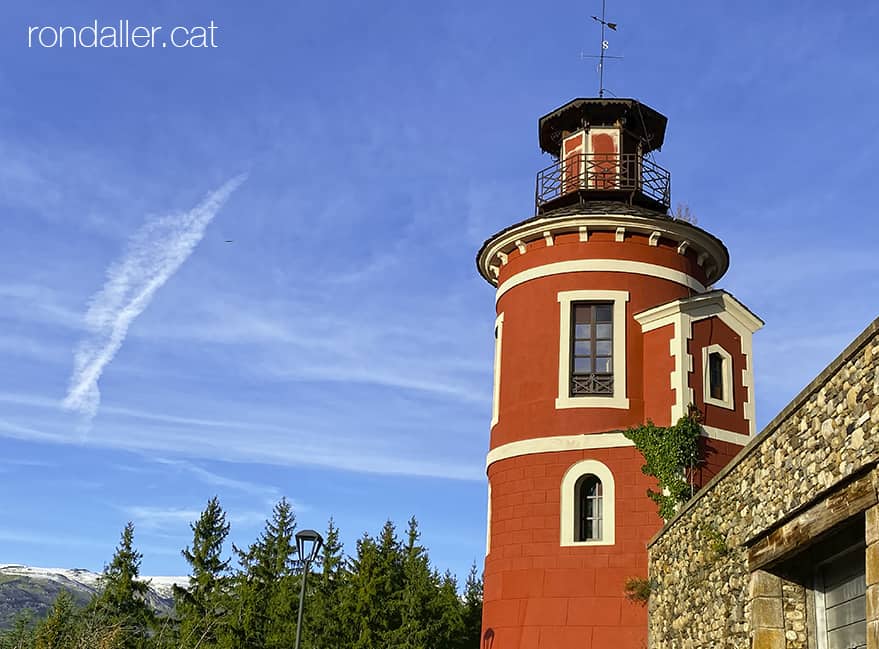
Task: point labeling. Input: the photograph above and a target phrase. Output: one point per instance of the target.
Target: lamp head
(308, 544)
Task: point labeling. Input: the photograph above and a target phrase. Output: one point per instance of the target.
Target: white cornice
(699, 307)
(676, 232)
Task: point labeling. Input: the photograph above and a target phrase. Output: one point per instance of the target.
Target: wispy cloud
(162, 518)
(293, 447)
(154, 254)
(217, 480)
(30, 537)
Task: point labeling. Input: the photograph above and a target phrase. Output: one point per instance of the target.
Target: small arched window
(587, 504)
(589, 508)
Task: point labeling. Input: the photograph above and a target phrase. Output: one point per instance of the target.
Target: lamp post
(308, 544)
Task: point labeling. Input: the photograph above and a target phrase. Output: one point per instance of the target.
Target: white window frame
(496, 389)
(728, 401)
(569, 503)
(488, 523)
(618, 399)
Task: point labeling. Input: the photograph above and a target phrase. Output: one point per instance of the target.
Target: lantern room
(602, 151)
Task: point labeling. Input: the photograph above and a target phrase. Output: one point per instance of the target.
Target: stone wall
(706, 590)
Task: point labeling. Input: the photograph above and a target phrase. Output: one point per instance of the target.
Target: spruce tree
(374, 602)
(472, 613)
(21, 635)
(325, 624)
(202, 607)
(58, 630)
(265, 585)
(448, 614)
(362, 608)
(417, 595)
(122, 598)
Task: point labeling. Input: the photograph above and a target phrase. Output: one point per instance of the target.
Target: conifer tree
(21, 635)
(374, 602)
(203, 607)
(58, 629)
(122, 599)
(472, 614)
(417, 594)
(325, 627)
(448, 612)
(265, 587)
(362, 608)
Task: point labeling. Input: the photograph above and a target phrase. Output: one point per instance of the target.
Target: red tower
(605, 319)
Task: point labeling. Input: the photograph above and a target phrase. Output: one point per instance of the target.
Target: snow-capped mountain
(35, 589)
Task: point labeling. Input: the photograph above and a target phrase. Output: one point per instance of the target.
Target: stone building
(781, 548)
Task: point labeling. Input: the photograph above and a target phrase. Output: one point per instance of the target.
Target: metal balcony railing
(604, 172)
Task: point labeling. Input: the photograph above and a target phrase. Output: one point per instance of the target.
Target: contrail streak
(153, 255)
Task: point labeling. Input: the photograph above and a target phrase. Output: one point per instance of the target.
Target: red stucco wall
(537, 592)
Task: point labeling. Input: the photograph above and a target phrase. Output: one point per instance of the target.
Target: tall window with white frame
(589, 508)
(591, 349)
(715, 376)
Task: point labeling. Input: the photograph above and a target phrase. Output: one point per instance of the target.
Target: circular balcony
(584, 177)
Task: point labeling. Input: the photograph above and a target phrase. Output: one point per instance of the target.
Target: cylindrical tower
(605, 319)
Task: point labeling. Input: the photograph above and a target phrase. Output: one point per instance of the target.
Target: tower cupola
(601, 148)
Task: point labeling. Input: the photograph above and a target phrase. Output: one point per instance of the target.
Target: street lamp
(308, 544)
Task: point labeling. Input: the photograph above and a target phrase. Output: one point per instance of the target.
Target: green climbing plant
(638, 589)
(715, 540)
(668, 453)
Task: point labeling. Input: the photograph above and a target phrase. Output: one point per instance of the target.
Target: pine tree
(449, 628)
(203, 606)
(21, 635)
(418, 592)
(265, 585)
(472, 614)
(374, 602)
(360, 606)
(325, 626)
(57, 631)
(122, 599)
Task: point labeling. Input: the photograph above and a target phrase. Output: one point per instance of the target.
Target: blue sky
(339, 350)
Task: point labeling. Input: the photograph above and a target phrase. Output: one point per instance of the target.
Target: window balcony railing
(592, 383)
(603, 173)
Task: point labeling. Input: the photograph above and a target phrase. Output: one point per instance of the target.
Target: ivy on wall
(668, 453)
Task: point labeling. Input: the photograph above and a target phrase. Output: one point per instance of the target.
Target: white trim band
(599, 265)
(590, 441)
(557, 444)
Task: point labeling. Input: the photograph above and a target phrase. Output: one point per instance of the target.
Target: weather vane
(604, 47)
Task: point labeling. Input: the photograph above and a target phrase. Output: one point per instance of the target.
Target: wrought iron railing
(591, 383)
(604, 172)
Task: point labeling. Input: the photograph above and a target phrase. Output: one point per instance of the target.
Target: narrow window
(589, 501)
(715, 376)
(591, 349)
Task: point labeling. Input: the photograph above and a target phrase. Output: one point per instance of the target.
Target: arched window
(587, 504)
(589, 499)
